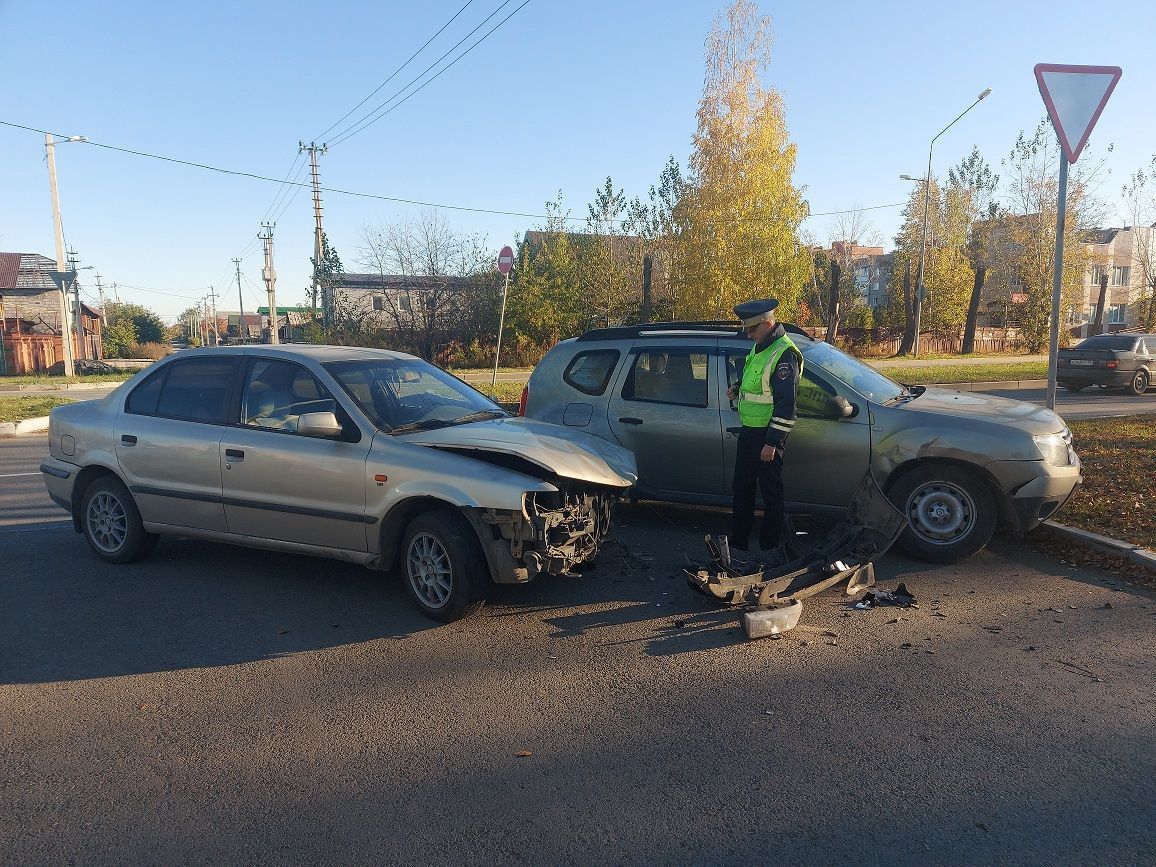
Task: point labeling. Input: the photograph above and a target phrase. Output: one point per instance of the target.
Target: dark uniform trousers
(750, 470)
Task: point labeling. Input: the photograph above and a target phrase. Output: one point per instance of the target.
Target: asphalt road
(218, 705)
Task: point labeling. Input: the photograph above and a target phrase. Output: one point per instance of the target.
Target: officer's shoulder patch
(783, 371)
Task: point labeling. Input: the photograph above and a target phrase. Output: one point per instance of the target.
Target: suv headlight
(1056, 448)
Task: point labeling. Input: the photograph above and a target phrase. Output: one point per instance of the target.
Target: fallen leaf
(523, 754)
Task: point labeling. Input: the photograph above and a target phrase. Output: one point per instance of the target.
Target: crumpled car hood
(566, 452)
(975, 405)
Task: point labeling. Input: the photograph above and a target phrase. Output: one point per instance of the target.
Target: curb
(1136, 554)
(28, 425)
(68, 386)
(1002, 385)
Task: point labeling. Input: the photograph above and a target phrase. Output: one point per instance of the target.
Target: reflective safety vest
(756, 399)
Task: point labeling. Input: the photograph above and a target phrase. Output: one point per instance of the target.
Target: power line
(396, 71)
(380, 113)
(396, 199)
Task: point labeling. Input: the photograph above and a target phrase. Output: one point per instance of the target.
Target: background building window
(1117, 314)
(1121, 275)
(1097, 272)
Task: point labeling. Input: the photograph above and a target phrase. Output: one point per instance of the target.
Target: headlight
(1055, 448)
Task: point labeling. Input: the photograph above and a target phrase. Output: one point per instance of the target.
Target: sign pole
(501, 323)
(505, 264)
(1057, 281)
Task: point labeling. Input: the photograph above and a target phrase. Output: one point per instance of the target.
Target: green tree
(973, 184)
(1024, 247)
(121, 320)
(546, 301)
(740, 211)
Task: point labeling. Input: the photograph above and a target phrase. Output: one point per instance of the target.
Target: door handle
(234, 455)
(127, 440)
(630, 420)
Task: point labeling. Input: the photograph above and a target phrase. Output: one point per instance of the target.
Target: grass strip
(21, 408)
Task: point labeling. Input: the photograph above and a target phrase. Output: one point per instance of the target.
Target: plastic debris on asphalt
(900, 597)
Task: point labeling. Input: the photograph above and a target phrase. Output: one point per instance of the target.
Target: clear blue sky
(559, 97)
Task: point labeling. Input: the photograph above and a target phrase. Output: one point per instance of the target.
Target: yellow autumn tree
(739, 216)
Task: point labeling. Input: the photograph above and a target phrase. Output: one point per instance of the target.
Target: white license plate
(1082, 362)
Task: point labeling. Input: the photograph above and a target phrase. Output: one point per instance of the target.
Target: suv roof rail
(625, 331)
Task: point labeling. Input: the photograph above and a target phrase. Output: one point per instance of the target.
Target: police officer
(766, 404)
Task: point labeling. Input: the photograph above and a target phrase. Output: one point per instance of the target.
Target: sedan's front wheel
(112, 524)
(444, 569)
(950, 513)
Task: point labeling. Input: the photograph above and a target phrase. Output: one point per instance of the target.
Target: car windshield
(408, 394)
(869, 382)
(1108, 341)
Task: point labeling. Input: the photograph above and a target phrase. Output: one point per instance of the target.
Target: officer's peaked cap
(754, 312)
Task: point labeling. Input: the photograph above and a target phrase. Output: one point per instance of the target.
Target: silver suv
(955, 463)
(362, 455)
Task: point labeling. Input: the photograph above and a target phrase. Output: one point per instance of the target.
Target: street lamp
(926, 204)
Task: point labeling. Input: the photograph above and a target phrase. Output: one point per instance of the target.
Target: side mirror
(318, 424)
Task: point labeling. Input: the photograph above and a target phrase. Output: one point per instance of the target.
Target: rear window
(590, 372)
(1120, 343)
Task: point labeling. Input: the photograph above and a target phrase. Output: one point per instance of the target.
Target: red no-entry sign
(505, 260)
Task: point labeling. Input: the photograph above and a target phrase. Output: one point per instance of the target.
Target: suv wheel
(112, 524)
(443, 565)
(1139, 383)
(950, 513)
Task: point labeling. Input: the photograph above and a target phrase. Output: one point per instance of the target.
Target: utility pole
(326, 300)
(241, 303)
(79, 320)
(269, 274)
(65, 336)
(213, 315)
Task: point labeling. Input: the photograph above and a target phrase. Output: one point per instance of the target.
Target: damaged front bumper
(846, 554)
(555, 532)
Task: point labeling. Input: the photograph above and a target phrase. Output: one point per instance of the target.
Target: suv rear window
(590, 372)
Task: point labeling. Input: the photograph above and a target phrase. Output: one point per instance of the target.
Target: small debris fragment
(282, 631)
(1030, 647)
(930, 650)
(1107, 605)
(833, 642)
(893, 620)
(1073, 607)
(522, 754)
(938, 614)
(827, 633)
(983, 827)
(907, 645)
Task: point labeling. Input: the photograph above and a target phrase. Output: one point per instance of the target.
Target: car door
(663, 408)
(827, 455)
(167, 441)
(278, 484)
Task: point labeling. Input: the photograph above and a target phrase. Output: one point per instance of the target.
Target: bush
(155, 351)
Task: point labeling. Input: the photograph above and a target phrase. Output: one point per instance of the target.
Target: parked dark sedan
(1109, 361)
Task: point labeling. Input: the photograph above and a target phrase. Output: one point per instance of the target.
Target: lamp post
(926, 204)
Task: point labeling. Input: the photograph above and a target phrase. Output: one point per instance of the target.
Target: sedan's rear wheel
(112, 524)
(1074, 386)
(444, 569)
(1139, 383)
(950, 513)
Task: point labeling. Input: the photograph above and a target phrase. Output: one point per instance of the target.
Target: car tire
(1139, 383)
(1073, 386)
(443, 566)
(950, 512)
(111, 522)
